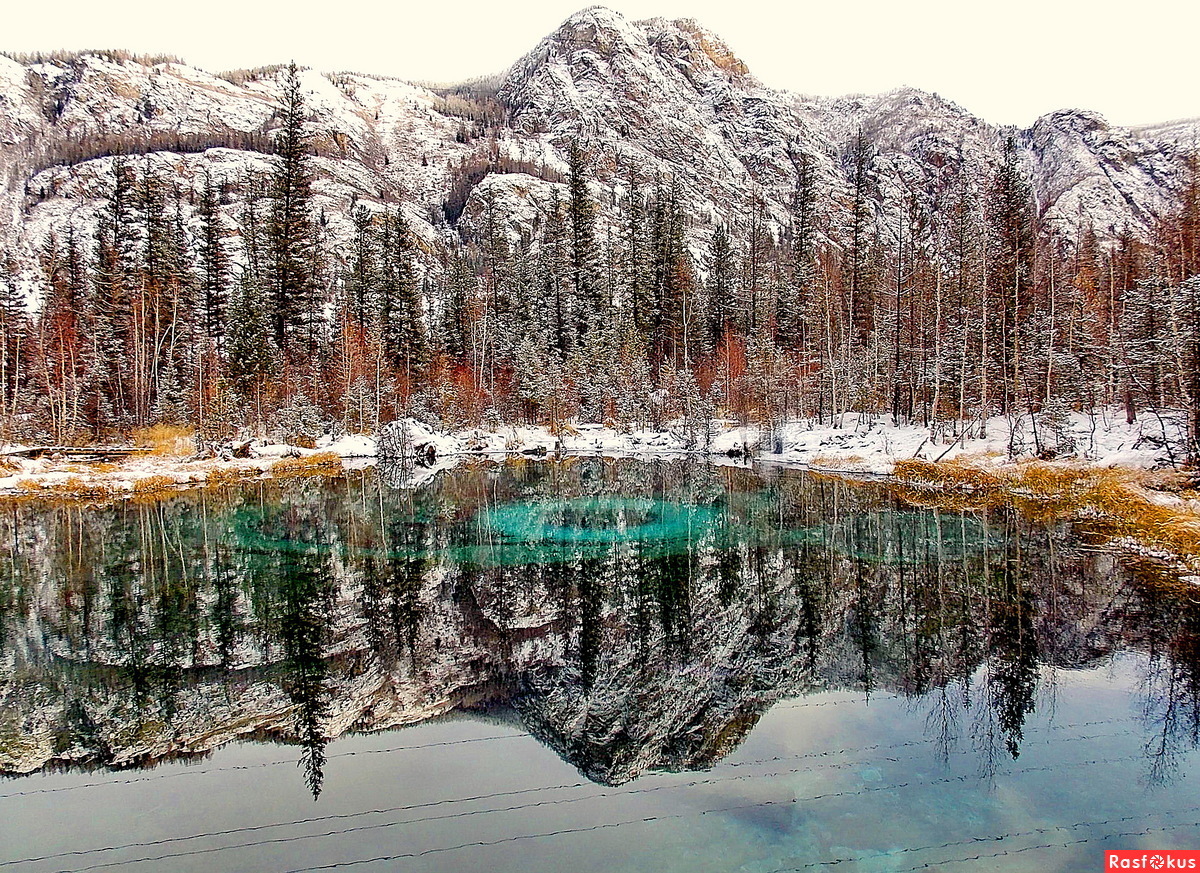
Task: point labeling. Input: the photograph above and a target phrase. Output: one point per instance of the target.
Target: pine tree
(251, 355)
(497, 277)
(362, 278)
(64, 361)
(161, 306)
(673, 276)
(790, 317)
(723, 309)
(860, 255)
(639, 289)
(1183, 254)
(14, 329)
(255, 224)
(553, 269)
(177, 384)
(457, 294)
(115, 278)
(756, 268)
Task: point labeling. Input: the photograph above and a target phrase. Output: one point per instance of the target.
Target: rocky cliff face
(656, 99)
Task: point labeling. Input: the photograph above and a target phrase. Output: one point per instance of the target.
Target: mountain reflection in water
(633, 616)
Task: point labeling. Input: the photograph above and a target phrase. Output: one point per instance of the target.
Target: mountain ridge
(663, 98)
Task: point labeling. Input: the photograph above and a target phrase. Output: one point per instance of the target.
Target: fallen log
(98, 453)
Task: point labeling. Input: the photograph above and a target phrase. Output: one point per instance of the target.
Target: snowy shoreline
(855, 443)
(859, 445)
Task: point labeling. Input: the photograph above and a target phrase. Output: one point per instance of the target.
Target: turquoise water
(592, 666)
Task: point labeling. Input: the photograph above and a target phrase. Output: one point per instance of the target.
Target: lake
(590, 665)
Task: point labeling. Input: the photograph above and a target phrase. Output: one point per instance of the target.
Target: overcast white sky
(1008, 62)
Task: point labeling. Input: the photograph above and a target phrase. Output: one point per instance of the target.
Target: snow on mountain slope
(658, 98)
(380, 141)
(1087, 171)
(669, 97)
(665, 100)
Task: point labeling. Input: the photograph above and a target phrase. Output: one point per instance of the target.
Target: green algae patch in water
(599, 520)
(513, 534)
(553, 531)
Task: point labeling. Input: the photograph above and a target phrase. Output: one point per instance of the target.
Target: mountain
(660, 99)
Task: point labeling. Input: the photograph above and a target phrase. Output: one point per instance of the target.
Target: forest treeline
(187, 313)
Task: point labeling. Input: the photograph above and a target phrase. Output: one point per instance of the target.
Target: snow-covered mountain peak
(597, 63)
(600, 29)
(686, 40)
(658, 99)
(1077, 121)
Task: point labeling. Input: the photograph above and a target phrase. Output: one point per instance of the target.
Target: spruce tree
(291, 232)
(722, 286)
(401, 318)
(162, 304)
(114, 280)
(1010, 263)
(497, 274)
(63, 359)
(553, 268)
(363, 276)
(790, 317)
(457, 293)
(585, 258)
(860, 256)
(672, 274)
(638, 284)
(251, 355)
(14, 328)
(214, 262)
(755, 271)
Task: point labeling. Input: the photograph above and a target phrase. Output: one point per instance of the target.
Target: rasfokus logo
(1152, 859)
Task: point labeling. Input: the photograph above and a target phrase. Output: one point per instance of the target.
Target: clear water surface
(586, 666)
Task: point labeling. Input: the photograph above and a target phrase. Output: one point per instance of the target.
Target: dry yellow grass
(76, 486)
(952, 476)
(151, 489)
(155, 485)
(1105, 503)
(166, 439)
(70, 490)
(837, 462)
(223, 476)
(320, 464)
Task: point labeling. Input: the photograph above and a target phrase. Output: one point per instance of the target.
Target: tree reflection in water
(634, 615)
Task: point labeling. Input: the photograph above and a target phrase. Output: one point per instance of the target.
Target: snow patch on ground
(859, 442)
(353, 445)
(863, 444)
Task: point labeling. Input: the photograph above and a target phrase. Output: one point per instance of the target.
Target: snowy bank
(853, 443)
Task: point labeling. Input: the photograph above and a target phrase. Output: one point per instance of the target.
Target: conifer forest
(217, 301)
